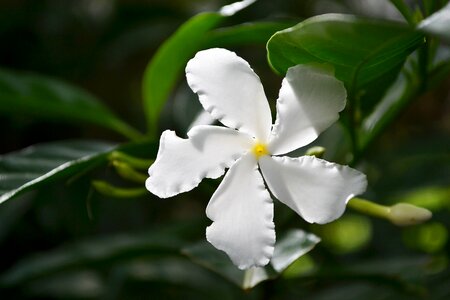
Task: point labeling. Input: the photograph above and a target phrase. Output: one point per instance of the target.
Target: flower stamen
(260, 149)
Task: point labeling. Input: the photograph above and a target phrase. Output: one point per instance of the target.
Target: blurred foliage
(87, 58)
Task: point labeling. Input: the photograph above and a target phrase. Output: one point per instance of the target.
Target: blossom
(241, 208)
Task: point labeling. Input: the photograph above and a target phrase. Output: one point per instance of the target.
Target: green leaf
(26, 169)
(163, 71)
(244, 34)
(366, 54)
(99, 251)
(166, 65)
(47, 98)
(133, 278)
(438, 24)
(398, 96)
(288, 249)
(182, 273)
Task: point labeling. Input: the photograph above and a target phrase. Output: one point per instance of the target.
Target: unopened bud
(316, 151)
(126, 172)
(109, 190)
(404, 214)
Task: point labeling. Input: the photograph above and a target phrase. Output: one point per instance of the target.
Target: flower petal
(309, 102)
(182, 163)
(230, 91)
(242, 213)
(314, 188)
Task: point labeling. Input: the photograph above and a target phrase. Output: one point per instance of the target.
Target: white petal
(314, 188)
(230, 91)
(309, 102)
(231, 9)
(242, 213)
(182, 163)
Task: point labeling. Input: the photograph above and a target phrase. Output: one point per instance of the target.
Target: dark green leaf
(46, 98)
(11, 214)
(400, 276)
(288, 249)
(244, 34)
(83, 284)
(133, 278)
(163, 70)
(33, 166)
(366, 54)
(396, 99)
(181, 272)
(98, 251)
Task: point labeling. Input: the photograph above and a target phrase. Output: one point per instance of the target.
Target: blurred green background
(67, 241)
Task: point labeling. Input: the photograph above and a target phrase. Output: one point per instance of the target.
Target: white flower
(241, 208)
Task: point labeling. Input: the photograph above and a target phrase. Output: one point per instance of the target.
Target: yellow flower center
(260, 149)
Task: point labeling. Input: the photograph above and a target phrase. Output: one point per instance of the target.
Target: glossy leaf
(169, 61)
(26, 169)
(288, 249)
(438, 24)
(47, 98)
(244, 34)
(366, 54)
(104, 250)
(396, 99)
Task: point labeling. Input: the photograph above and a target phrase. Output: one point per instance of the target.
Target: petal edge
(242, 213)
(309, 102)
(230, 91)
(181, 164)
(314, 188)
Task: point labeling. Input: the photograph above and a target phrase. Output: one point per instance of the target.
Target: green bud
(134, 162)
(126, 172)
(107, 189)
(316, 151)
(401, 214)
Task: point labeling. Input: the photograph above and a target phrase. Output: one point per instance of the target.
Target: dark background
(104, 47)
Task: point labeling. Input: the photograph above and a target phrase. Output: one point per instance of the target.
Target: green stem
(409, 95)
(369, 208)
(400, 214)
(107, 189)
(352, 125)
(428, 7)
(403, 8)
(417, 86)
(423, 66)
(133, 162)
(439, 73)
(128, 131)
(126, 172)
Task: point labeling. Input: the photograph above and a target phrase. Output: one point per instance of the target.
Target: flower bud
(403, 214)
(316, 151)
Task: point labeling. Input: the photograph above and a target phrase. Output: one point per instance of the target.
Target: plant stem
(417, 86)
(352, 126)
(423, 66)
(128, 131)
(403, 8)
(132, 161)
(107, 189)
(369, 208)
(128, 173)
(410, 93)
